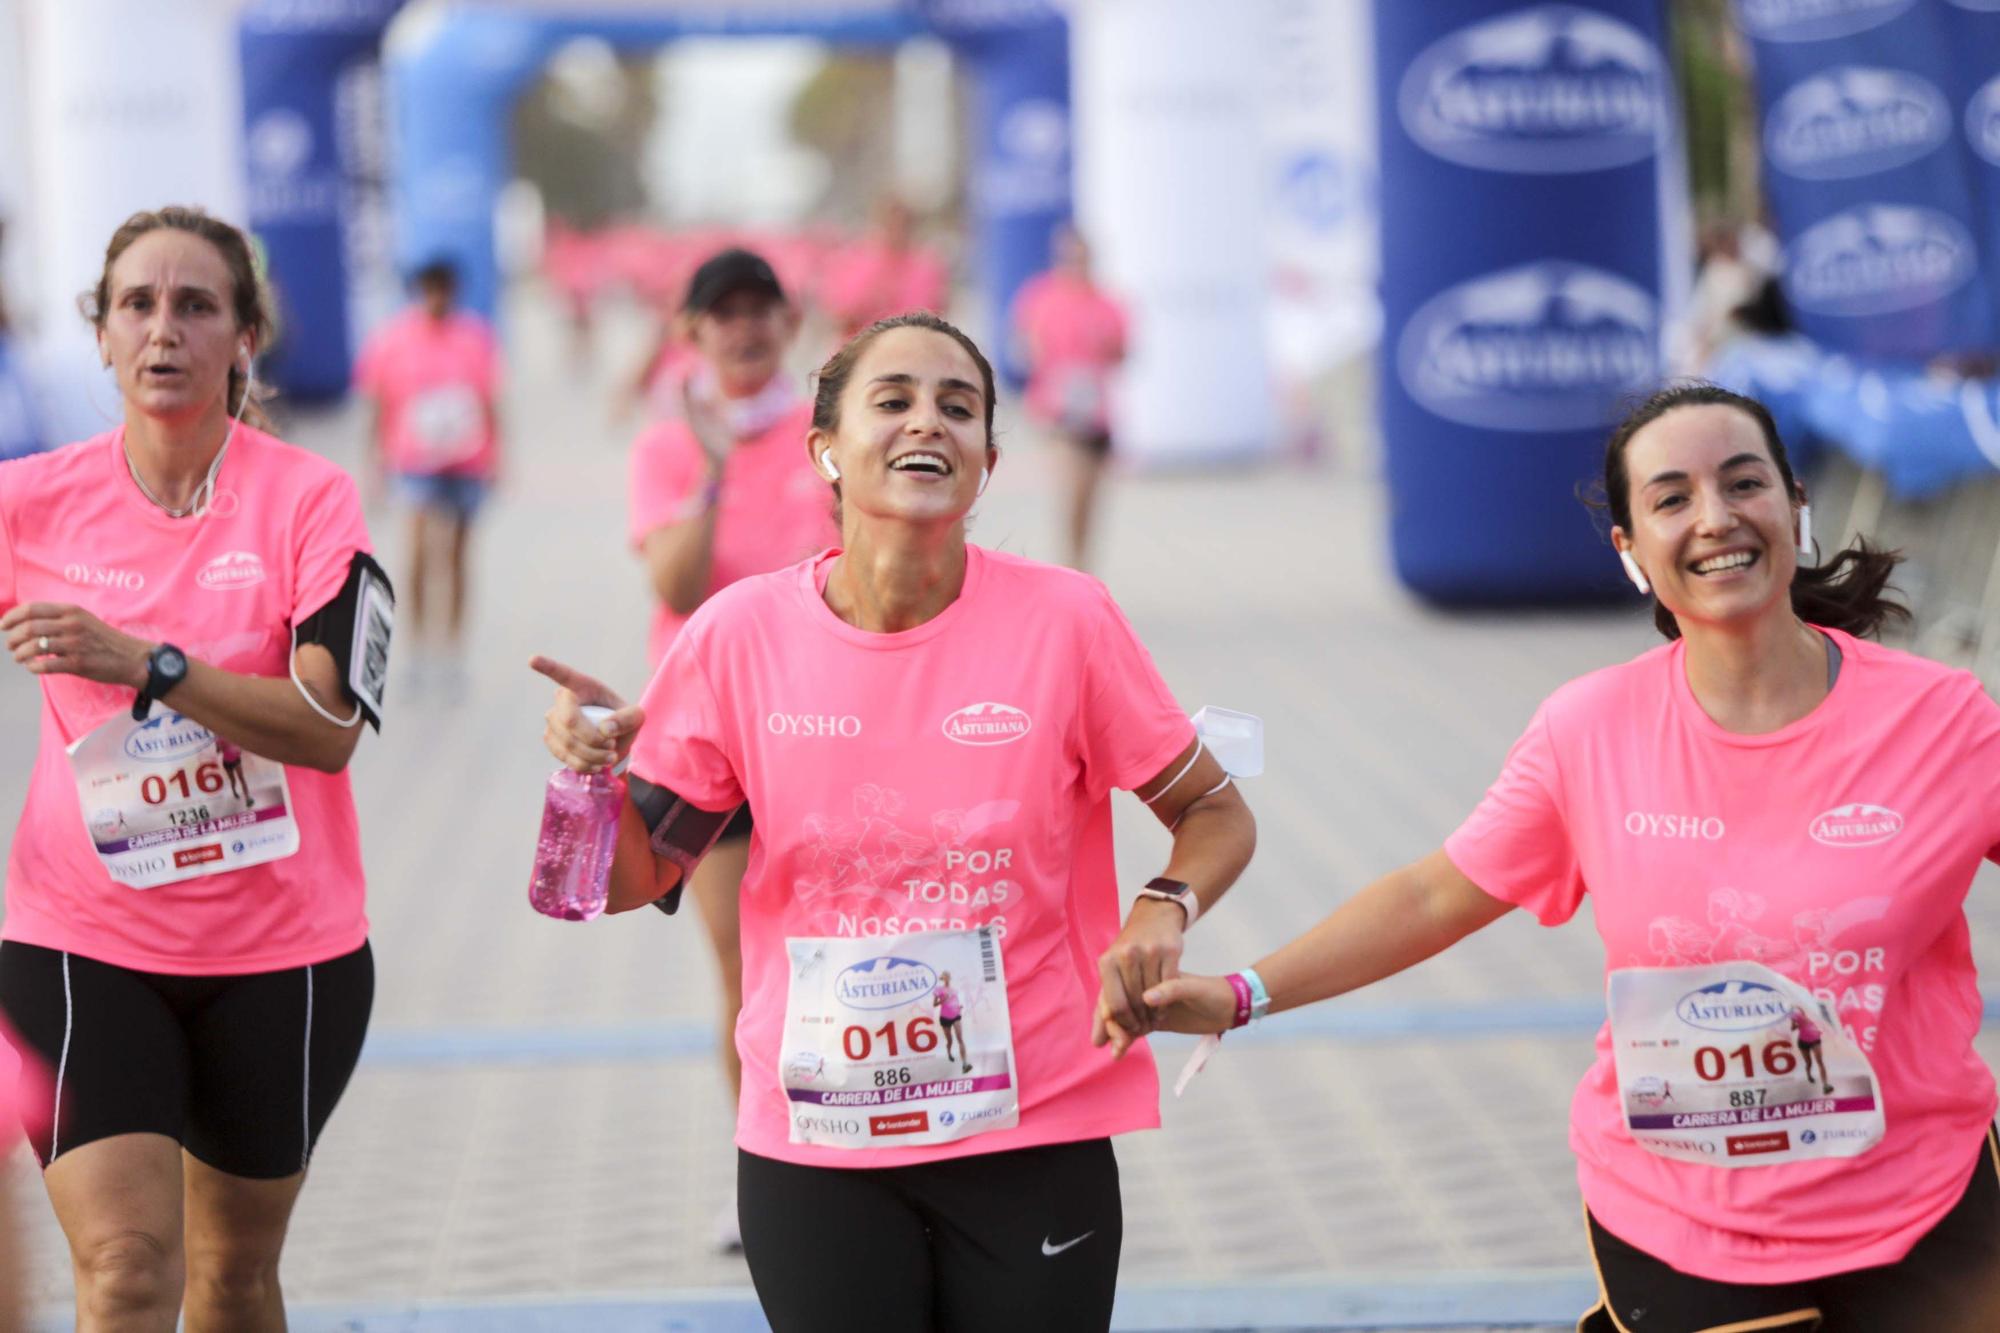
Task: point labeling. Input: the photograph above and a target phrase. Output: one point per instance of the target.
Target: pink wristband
(1242, 989)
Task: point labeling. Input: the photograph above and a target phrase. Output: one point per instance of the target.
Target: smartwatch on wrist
(166, 667)
(1174, 891)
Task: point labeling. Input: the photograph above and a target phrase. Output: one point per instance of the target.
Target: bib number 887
(919, 1036)
(1712, 1062)
(155, 789)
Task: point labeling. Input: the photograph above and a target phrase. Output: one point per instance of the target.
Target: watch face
(171, 662)
(1173, 888)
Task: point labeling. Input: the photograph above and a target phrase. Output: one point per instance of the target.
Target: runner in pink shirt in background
(723, 491)
(197, 974)
(433, 376)
(930, 733)
(1073, 336)
(1777, 823)
(883, 273)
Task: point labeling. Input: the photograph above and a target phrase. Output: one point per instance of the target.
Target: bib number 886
(919, 1036)
(1712, 1062)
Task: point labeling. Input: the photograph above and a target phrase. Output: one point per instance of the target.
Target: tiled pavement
(537, 1140)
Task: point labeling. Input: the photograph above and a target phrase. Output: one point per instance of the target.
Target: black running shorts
(994, 1243)
(1948, 1283)
(243, 1071)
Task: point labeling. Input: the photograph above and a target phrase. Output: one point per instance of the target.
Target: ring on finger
(43, 644)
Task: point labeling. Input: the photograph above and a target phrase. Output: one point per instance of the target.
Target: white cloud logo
(1547, 346)
(1854, 121)
(1879, 258)
(1546, 89)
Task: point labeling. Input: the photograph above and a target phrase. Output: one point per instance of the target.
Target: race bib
(1731, 1064)
(898, 1043)
(164, 800)
(447, 424)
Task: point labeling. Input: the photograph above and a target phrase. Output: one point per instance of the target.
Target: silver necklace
(207, 487)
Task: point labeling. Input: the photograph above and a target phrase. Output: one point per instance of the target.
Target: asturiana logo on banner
(1982, 122)
(1879, 258)
(1856, 825)
(1733, 1006)
(887, 982)
(1547, 346)
(1854, 121)
(1815, 20)
(1546, 89)
(987, 724)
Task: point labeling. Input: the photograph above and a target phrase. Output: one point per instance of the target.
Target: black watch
(1174, 891)
(166, 667)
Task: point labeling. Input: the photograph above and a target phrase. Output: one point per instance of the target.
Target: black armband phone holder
(356, 627)
(682, 832)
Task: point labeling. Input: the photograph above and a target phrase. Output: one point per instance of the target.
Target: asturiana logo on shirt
(167, 738)
(1733, 1006)
(813, 724)
(987, 724)
(884, 983)
(1856, 825)
(230, 570)
(1646, 824)
(102, 576)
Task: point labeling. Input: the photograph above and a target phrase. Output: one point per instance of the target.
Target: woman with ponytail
(1771, 814)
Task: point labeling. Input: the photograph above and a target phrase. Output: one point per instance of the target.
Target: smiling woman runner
(192, 966)
(929, 733)
(1772, 816)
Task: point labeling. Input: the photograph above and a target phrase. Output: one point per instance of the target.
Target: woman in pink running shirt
(1777, 822)
(930, 733)
(951, 1012)
(720, 492)
(194, 970)
(1073, 334)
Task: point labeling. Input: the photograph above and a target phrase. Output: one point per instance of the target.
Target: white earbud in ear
(985, 475)
(827, 465)
(1634, 573)
(1805, 531)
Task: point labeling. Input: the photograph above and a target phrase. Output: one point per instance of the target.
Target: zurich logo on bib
(1546, 346)
(1546, 89)
(1879, 258)
(1982, 122)
(1815, 20)
(1855, 120)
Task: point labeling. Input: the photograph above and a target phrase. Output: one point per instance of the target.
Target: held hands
(1145, 954)
(571, 737)
(1183, 1004)
(55, 637)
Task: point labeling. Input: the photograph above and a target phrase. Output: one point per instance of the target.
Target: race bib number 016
(897, 1044)
(1732, 1064)
(165, 800)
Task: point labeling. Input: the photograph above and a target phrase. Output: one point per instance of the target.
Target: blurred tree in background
(1712, 66)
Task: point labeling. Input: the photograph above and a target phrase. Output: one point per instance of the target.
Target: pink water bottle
(572, 879)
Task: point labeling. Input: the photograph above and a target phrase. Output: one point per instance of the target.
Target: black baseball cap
(730, 271)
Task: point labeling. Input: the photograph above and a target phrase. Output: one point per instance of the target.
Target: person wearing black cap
(722, 489)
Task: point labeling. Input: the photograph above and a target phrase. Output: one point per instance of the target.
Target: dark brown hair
(248, 301)
(1846, 593)
(830, 381)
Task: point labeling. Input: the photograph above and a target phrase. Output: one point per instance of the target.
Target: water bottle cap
(595, 714)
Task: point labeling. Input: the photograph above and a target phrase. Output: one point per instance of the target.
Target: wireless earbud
(1805, 531)
(985, 475)
(1634, 573)
(827, 465)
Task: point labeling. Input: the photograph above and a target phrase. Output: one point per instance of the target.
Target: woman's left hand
(52, 637)
(1146, 952)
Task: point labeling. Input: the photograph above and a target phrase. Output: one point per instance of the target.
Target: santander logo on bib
(230, 570)
(987, 724)
(1856, 825)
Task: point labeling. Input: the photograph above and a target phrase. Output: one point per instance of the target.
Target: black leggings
(994, 1243)
(243, 1071)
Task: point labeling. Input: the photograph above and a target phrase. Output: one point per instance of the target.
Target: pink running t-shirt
(868, 281)
(948, 1005)
(435, 383)
(1807, 1030)
(226, 587)
(772, 508)
(1836, 851)
(856, 752)
(1075, 337)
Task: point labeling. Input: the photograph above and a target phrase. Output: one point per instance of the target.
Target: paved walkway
(536, 1139)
